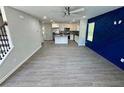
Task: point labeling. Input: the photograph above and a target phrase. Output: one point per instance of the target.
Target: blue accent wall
(108, 39)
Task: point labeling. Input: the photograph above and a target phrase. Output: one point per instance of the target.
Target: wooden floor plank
(66, 66)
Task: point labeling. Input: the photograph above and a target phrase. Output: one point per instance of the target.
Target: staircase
(4, 42)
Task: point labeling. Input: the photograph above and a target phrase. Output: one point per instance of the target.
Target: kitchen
(61, 32)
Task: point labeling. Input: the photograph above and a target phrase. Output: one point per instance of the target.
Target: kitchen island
(61, 39)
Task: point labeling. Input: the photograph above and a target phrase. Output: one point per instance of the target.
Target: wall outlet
(122, 60)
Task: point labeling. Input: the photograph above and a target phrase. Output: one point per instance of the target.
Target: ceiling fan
(68, 11)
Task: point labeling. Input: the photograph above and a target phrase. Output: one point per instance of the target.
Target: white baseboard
(13, 70)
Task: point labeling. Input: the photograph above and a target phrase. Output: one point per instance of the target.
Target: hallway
(66, 66)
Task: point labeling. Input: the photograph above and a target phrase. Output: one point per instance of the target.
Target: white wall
(41, 32)
(47, 31)
(76, 38)
(82, 33)
(1, 21)
(26, 38)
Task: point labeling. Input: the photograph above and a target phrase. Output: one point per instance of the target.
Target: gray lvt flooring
(66, 66)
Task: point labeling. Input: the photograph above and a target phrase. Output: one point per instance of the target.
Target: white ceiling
(56, 13)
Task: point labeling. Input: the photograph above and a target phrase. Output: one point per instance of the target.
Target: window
(91, 27)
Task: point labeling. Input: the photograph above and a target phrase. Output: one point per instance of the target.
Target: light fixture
(122, 60)
(115, 23)
(120, 21)
(44, 17)
(43, 28)
(82, 9)
(51, 20)
(73, 20)
(21, 17)
(43, 32)
(84, 16)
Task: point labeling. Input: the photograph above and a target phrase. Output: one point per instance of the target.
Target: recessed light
(43, 28)
(51, 20)
(44, 17)
(84, 16)
(83, 9)
(73, 20)
(21, 17)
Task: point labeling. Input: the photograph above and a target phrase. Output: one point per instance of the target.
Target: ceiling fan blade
(67, 8)
(77, 10)
(76, 15)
